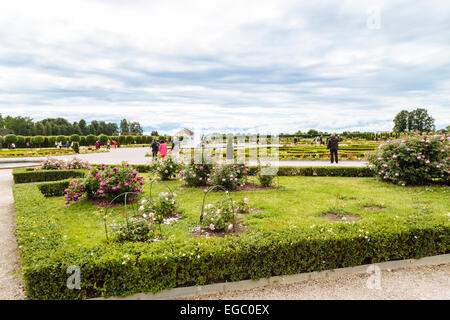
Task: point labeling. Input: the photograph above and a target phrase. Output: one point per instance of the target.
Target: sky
(229, 66)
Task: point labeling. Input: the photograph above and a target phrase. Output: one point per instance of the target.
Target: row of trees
(25, 126)
(89, 140)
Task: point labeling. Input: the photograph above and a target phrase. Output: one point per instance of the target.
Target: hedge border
(54, 189)
(22, 175)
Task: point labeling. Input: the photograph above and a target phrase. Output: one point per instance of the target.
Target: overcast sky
(243, 65)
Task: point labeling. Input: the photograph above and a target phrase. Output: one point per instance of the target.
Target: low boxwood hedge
(326, 171)
(53, 189)
(124, 269)
(26, 176)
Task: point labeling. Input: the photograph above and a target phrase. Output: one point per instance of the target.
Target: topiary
(76, 147)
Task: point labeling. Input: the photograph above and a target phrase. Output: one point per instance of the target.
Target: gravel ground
(11, 286)
(413, 283)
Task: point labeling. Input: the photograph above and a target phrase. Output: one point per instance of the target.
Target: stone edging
(193, 291)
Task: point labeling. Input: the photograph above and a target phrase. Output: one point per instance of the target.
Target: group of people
(59, 145)
(160, 148)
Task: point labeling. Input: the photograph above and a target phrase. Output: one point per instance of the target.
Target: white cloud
(227, 65)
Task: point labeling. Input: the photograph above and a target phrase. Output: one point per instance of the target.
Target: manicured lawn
(286, 228)
(299, 202)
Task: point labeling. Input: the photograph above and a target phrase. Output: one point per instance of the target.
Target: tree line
(25, 126)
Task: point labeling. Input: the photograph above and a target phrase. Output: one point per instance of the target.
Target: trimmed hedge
(119, 270)
(298, 171)
(326, 171)
(27, 176)
(53, 189)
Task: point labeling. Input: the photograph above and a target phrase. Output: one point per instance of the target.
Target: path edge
(195, 291)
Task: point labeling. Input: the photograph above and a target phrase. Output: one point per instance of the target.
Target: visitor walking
(333, 145)
(108, 145)
(295, 141)
(163, 149)
(115, 144)
(155, 147)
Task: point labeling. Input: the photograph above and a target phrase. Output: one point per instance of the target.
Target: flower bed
(290, 236)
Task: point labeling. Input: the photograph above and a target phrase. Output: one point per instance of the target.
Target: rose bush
(230, 176)
(105, 182)
(166, 169)
(220, 216)
(196, 174)
(414, 160)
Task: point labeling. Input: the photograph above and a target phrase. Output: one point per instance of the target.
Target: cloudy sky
(246, 65)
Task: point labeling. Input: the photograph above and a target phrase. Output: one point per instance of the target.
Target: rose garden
(176, 222)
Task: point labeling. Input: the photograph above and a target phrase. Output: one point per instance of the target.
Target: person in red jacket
(163, 149)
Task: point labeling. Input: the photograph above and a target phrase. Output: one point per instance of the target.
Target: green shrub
(230, 176)
(38, 140)
(90, 139)
(326, 171)
(196, 174)
(413, 160)
(10, 138)
(105, 182)
(166, 169)
(75, 138)
(23, 176)
(61, 138)
(103, 139)
(76, 147)
(53, 189)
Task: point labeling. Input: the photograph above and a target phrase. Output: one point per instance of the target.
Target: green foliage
(62, 139)
(414, 160)
(220, 216)
(23, 176)
(38, 140)
(10, 138)
(103, 139)
(75, 138)
(230, 176)
(90, 139)
(196, 174)
(48, 245)
(133, 231)
(53, 189)
(418, 119)
(326, 171)
(167, 168)
(76, 147)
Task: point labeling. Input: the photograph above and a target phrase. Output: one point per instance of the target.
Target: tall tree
(124, 126)
(420, 120)
(401, 121)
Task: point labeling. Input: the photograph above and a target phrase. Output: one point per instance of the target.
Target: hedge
(298, 171)
(26, 176)
(205, 261)
(53, 189)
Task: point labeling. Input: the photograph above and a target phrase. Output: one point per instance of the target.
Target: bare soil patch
(339, 218)
(374, 208)
(238, 229)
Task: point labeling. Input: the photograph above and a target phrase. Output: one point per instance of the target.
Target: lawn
(388, 215)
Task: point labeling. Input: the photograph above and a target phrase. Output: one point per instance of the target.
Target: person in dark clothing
(155, 147)
(333, 145)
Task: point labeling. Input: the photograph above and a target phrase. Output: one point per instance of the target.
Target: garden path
(137, 156)
(11, 286)
(412, 283)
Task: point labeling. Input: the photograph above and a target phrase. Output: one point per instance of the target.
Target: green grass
(298, 202)
(287, 235)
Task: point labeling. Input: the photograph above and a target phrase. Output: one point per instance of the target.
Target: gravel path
(11, 286)
(413, 283)
(137, 156)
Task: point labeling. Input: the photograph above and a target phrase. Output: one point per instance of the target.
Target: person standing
(155, 146)
(295, 141)
(163, 149)
(108, 145)
(333, 145)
